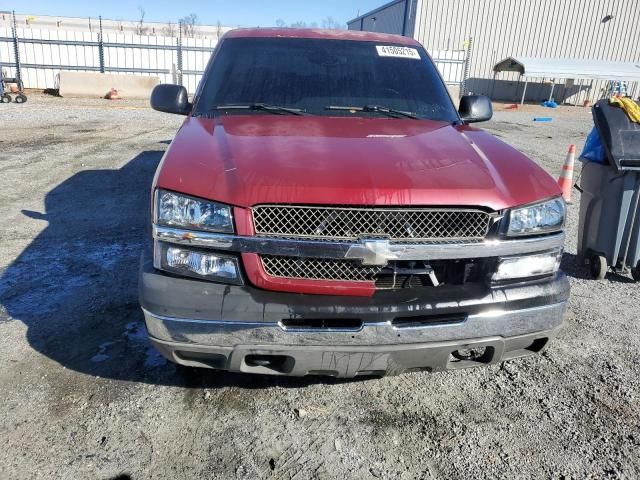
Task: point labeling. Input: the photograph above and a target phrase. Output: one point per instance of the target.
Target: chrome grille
(344, 224)
(317, 268)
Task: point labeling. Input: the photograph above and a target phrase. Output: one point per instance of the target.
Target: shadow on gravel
(196, 378)
(574, 266)
(75, 285)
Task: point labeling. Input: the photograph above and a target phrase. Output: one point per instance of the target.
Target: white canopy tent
(567, 68)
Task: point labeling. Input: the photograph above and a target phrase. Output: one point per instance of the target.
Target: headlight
(176, 210)
(538, 218)
(197, 263)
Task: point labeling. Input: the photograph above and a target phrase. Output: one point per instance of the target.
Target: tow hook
(423, 270)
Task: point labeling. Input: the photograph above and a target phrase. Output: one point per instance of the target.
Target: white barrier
(97, 85)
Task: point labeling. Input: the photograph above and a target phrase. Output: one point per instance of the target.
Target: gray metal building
(580, 29)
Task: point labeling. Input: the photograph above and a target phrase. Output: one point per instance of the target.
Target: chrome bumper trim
(353, 361)
(500, 323)
(370, 252)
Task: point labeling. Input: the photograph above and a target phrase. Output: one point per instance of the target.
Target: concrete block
(454, 92)
(97, 85)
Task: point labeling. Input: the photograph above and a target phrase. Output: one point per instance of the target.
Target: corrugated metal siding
(531, 28)
(412, 13)
(388, 19)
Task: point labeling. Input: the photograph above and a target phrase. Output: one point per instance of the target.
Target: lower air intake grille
(396, 275)
(317, 269)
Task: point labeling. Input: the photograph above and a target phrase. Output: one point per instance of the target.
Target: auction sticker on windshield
(399, 52)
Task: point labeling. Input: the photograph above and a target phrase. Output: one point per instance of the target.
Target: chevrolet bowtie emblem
(371, 252)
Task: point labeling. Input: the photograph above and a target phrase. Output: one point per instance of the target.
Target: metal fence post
(405, 16)
(467, 63)
(16, 49)
(179, 53)
(100, 46)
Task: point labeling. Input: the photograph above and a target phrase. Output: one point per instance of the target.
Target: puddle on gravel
(135, 335)
(101, 356)
(60, 275)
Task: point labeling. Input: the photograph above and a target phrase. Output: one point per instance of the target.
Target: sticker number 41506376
(400, 52)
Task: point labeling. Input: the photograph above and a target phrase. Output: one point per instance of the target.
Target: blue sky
(262, 13)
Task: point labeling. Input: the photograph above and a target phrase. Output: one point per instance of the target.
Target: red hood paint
(245, 160)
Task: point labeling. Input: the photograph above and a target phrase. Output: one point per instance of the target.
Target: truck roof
(320, 33)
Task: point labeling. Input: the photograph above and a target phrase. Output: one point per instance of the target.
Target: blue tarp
(593, 150)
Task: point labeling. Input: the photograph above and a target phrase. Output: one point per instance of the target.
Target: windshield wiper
(391, 112)
(263, 107)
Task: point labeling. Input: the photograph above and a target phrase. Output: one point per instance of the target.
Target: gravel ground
(84, 395)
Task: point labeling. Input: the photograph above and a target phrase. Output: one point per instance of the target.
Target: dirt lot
(84, 396)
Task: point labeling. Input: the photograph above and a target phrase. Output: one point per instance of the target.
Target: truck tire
(635, 272)
(5, 98)
(598, 267)
(20, 98)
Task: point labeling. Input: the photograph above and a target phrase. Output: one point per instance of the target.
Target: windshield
(317, 75)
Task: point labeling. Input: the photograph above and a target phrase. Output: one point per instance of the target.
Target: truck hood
(245, 160)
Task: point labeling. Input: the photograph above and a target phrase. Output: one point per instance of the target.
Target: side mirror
(475, 108)
(170, 98)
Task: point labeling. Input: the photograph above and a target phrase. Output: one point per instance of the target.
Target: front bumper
(240, 328)
(325, 356)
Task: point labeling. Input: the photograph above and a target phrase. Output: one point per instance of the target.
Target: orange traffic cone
(566, 175)
(112, 95)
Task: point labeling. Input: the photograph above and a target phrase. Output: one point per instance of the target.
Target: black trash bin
(609, 229)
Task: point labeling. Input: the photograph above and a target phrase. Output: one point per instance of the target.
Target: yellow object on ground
(631, 108)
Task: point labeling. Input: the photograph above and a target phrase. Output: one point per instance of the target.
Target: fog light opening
(537, 345)
(197, 263)
(471, 354)
(528, 266)
(276, 363)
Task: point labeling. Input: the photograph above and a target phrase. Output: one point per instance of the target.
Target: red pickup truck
(325, 210)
